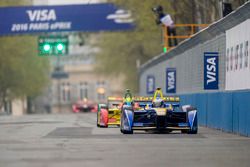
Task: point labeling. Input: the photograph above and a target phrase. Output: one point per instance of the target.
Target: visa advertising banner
(150, 84)
(33, 19)
(171, 80)
(211, 70)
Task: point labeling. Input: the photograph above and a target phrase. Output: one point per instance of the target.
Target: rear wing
(111, 98)
(142, 99)
(150, 99)
(171, 99)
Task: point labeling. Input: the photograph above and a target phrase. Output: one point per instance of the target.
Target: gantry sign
(38, 19)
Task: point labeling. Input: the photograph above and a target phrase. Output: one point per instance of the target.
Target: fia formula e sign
(150, 84)
(211, 70)
(33, 19)
(171, 80)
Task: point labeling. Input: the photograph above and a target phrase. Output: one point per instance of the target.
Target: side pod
(103, 118)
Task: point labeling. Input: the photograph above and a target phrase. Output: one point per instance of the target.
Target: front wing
(148, 119)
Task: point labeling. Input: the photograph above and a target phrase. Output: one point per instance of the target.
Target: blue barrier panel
(248, 119)
(201, 105)
(241, 105)
(235, 120)
(248, 113)
(214, 110)
(198, 101)
(226, 109)
(229, 111)
(183, 99)
(192, 100)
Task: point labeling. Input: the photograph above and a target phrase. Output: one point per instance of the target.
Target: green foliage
(5, 3)
(22, 71)
(121, 50)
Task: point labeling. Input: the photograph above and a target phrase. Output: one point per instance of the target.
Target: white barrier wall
(238, 57)
(229, 37)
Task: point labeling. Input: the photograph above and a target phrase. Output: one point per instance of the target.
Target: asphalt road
(71, 140)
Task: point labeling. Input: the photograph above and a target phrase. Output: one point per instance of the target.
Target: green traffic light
(165, 49)
(46, 47)
(59, 47)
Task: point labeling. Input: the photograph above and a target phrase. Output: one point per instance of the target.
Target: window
(246, 54)
(101, 90)
(65, 89)
(227, 59)
(241, 56)
(236, 57)
(83, 90)
(68, 92)
(231, 59)
(63, 92)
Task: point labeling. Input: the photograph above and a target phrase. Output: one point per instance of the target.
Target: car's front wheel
(194, 129)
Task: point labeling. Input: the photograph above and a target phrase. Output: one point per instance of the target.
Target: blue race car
(158, 113)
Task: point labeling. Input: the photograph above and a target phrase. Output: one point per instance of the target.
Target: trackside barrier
(241, 108)
(227, 111)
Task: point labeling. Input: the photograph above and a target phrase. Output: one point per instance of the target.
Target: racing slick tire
(127, 132)
(97, 120)
(184, 131)
(103, 126)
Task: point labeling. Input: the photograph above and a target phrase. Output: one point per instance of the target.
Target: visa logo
(171, 80)
(211, 70)
(41, 15)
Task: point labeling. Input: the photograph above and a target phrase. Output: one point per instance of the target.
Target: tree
(121, 50)
(6, 3)
(22, 72)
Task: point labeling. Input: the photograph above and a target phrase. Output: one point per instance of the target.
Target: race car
(158, 113)
(84, 105)
(109, 114)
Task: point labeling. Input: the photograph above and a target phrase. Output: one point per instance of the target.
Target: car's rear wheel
(128, 132)
(97, 119)
(184, 131)
(121, 124)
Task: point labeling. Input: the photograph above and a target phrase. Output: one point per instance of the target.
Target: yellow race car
(110, 114)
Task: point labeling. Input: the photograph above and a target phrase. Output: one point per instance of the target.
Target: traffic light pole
(55, 46)
(59, 86)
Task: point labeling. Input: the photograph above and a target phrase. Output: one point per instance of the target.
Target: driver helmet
(157, 102)
(128, 101)
(136, 105)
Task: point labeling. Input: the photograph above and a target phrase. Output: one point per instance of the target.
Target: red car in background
(84, 105)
